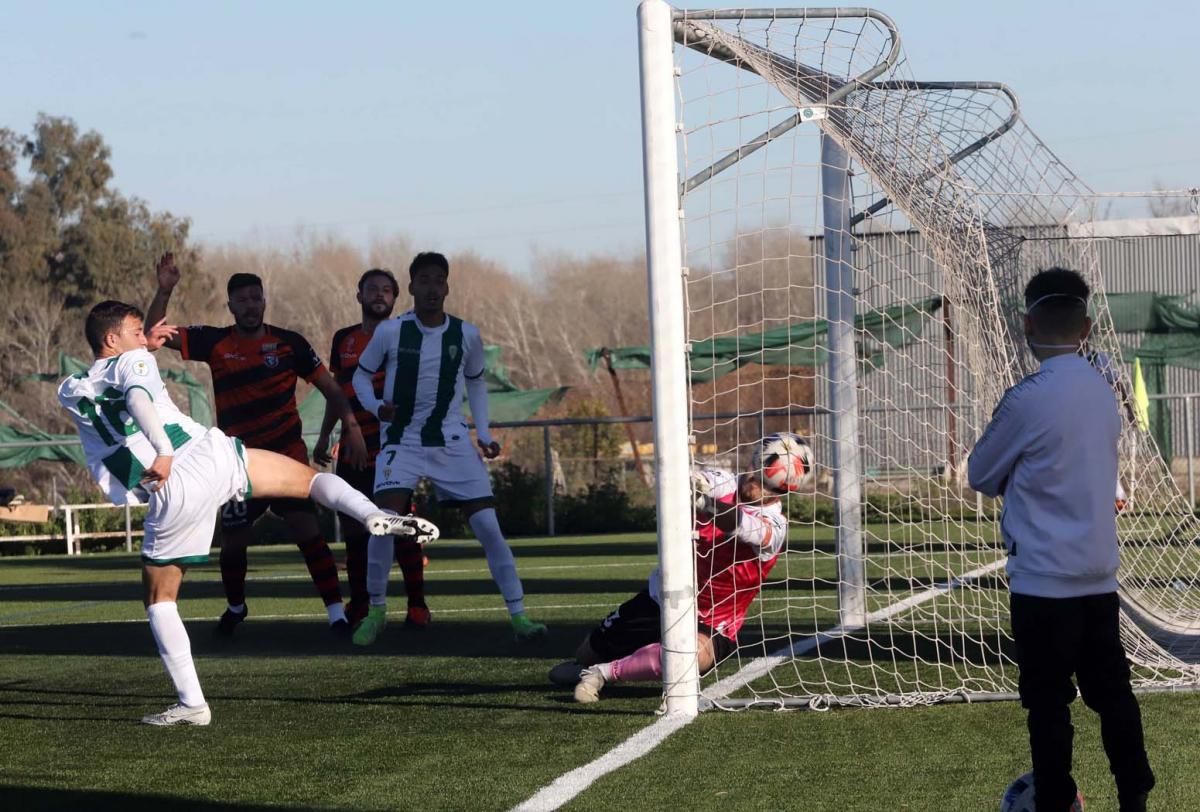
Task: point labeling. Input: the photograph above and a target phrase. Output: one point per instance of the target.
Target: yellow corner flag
(1141, 401)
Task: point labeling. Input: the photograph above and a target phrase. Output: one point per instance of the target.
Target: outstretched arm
(168, 277)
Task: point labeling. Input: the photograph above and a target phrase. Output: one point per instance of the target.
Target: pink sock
(645, 664)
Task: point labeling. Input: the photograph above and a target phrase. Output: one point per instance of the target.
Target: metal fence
(888, 453)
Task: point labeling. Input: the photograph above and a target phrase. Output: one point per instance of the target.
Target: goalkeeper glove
(702, 496)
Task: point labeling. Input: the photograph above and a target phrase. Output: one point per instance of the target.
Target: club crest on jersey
(452, 351)
(387, 473)
(271, 361)
(141, 368)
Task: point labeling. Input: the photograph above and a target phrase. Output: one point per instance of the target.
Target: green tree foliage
(63, 226)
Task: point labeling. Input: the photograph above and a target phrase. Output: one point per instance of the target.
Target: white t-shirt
(117, 451)
(426, 372)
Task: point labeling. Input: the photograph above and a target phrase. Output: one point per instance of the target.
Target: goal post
(664, 264)
(799, 181)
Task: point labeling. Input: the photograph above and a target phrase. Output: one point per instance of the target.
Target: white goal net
(892, 587)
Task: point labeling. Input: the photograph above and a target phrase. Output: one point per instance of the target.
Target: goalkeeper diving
(740, 530)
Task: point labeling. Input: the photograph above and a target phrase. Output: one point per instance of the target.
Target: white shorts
(183, 512)
(455, 470)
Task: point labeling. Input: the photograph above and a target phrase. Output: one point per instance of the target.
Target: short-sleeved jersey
(348, 345)
(730, 571)
(426, 370)
(254, 380)
(116, 450)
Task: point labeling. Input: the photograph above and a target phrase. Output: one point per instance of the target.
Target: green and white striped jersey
(117, 451)
(426, 369)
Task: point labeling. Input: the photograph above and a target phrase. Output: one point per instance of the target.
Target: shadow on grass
(281, 638)
(29, 799)
(439, 589)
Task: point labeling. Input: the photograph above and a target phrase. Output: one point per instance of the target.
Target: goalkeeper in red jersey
(740, 531)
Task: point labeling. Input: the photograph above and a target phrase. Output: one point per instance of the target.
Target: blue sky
(514, 128)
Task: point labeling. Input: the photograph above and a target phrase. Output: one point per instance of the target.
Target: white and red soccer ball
(784, 462)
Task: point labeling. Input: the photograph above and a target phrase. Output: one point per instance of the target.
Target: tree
(66, 228)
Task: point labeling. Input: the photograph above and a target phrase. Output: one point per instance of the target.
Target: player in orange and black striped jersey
(377, 292)
(255, 368)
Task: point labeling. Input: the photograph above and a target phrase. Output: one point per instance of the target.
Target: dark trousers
(1057, 638)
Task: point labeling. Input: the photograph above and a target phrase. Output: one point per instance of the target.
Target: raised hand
(167, 272)
(160, 334)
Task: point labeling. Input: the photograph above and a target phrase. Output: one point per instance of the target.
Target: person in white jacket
(1051, 451)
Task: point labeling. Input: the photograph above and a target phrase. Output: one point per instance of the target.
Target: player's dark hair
(106, 318)
(1059, 299)
(242, 280)
(386, 274)
(426, 258)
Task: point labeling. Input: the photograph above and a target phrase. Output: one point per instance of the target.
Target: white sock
(335, 493)
(380, 550)
(176, 651)
(499, 558)
(237, 609)
(605, 671)
(336, 612)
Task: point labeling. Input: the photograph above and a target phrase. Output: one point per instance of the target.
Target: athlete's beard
(376, 311)
(249, 323)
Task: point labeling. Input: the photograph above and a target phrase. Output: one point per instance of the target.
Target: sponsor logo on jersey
(233, 356)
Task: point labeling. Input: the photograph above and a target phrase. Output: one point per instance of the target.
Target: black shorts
(237, 515)
(637, 623)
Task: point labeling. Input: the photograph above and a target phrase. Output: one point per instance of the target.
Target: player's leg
(160, 596)
(460, 478)
(380, 550)
(1104, 687)
(237, 530)
(274, 475)
(179, 532)
(633, 625)
(398, 469)
(1048, 634)
(305, 532)
(356, 539)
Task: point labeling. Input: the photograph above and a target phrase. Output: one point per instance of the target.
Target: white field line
(567, 786)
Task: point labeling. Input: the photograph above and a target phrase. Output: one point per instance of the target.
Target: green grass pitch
(459, 716)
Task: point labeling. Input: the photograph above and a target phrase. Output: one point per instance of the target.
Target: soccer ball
(784, 461)
(1019, 797)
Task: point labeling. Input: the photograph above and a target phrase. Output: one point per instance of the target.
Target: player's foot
(340, 628)
(370, 627)
(566, 674)
(230, 620)
(384, 524)
(418, 618)
(180, 715)
(591, 682)
(525, 630)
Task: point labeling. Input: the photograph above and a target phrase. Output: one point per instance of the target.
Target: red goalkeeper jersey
(731, 567)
